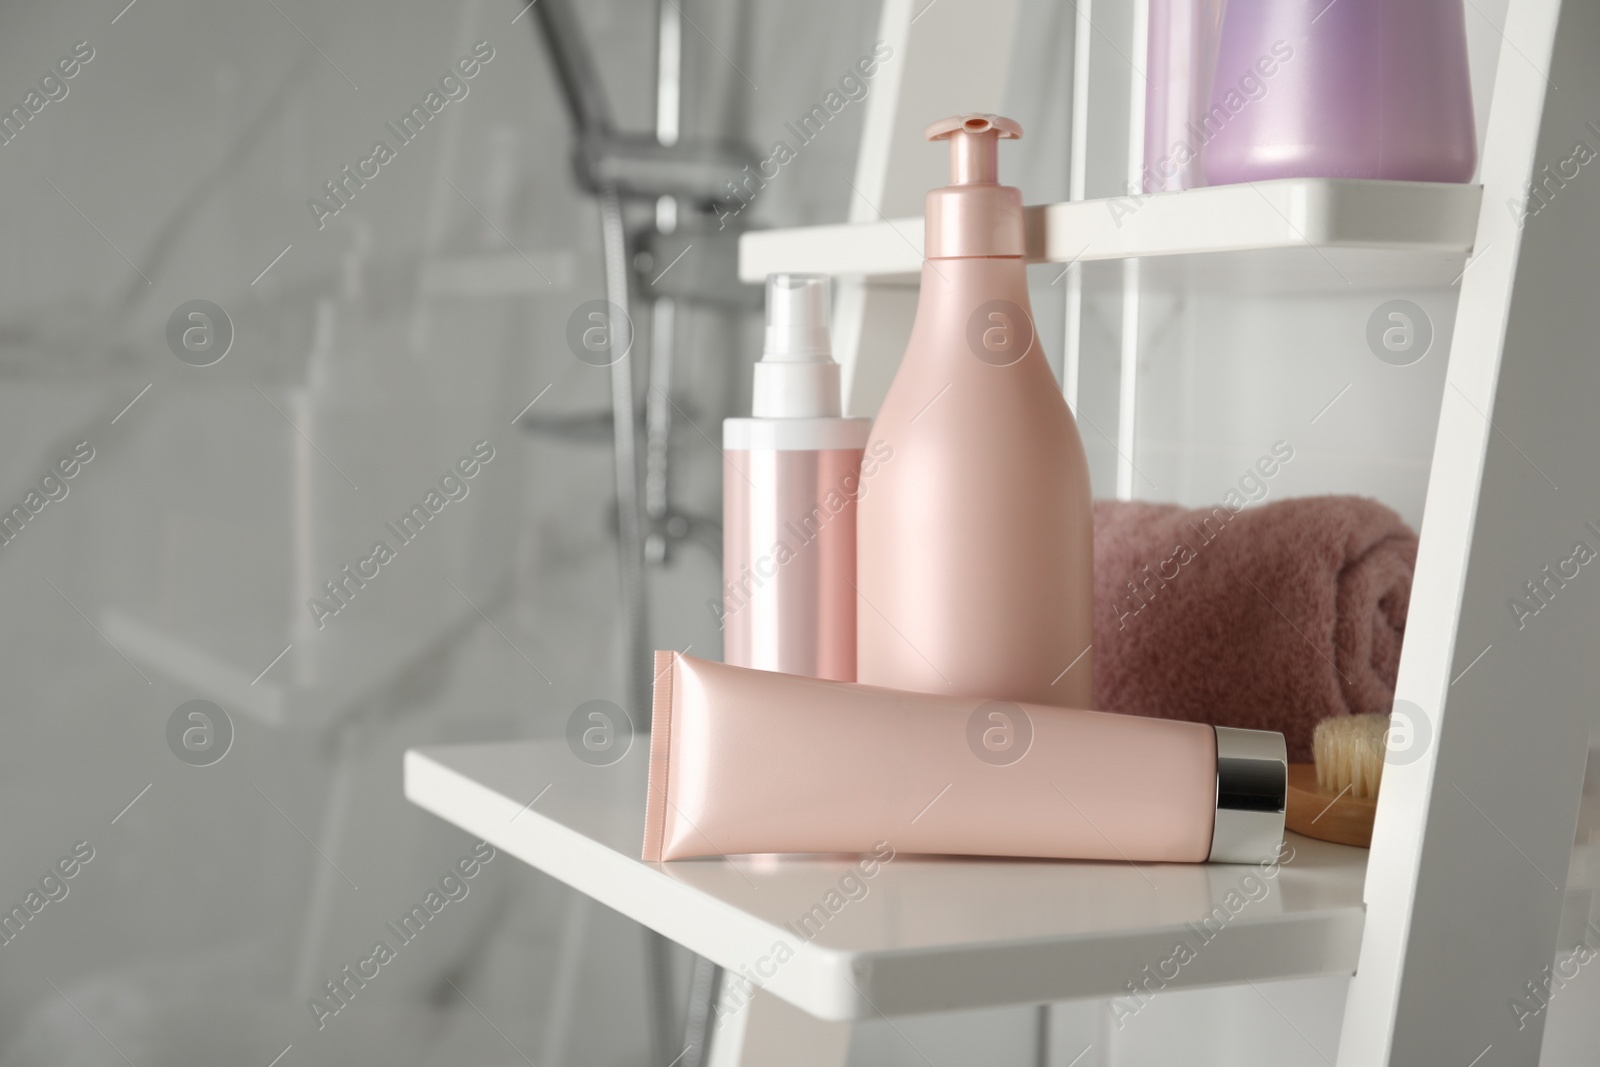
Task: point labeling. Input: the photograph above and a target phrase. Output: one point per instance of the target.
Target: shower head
(704, 172)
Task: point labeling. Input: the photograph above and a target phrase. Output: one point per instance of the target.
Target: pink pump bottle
(791, 477)
(975, 545)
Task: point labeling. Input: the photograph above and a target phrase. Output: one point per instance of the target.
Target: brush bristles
(1349, 751)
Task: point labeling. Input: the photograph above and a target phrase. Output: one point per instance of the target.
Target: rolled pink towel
(1271, 618)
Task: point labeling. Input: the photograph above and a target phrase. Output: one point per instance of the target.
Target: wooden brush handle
(1327, 816)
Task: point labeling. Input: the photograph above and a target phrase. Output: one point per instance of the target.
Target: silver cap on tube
(1252, 790)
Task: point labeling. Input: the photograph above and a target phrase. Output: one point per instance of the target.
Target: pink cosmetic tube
(745, 761)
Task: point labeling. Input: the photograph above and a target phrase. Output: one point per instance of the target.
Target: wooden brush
(1336, 798)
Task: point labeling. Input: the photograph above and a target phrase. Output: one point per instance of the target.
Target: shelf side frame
(1480, 797)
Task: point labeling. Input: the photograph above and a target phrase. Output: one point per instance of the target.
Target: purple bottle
(1341, 89)
(1181, 49)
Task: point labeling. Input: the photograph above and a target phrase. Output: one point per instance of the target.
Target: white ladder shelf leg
(1470, 853)
(752, 1028)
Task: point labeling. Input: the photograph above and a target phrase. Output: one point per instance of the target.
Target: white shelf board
(1335, 231)
(930, 934)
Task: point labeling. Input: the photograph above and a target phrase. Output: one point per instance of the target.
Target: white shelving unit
(1473, 857)
(1480, 825)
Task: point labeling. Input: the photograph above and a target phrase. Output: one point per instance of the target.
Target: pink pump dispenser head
(974, 215)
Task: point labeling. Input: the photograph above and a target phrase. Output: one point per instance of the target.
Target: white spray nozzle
(797, 377)
(797, 319)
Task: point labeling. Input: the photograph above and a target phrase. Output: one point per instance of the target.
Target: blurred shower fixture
(709, 278)
(701, 173)
(663, 170)
(637, 166)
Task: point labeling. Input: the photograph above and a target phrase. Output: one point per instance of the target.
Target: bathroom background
(432, 318)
